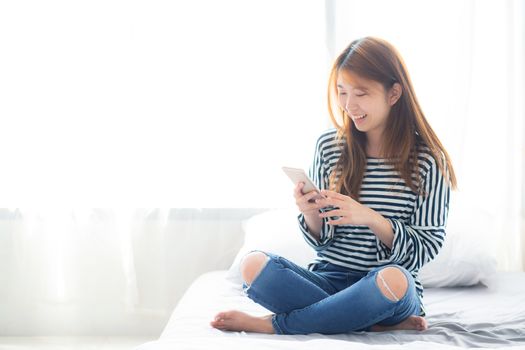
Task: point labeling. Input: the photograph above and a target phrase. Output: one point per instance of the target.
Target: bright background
(196, 105)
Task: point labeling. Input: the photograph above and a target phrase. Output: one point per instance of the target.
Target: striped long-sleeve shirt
(418, 221)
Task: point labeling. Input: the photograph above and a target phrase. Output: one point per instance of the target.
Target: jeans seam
(276, 325)
(298, 311)
(378, 318)
(261, 302)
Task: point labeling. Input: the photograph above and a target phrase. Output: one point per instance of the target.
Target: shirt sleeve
(419, 240)
(319, 175)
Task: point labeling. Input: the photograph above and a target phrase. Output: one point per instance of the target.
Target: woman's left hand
(350, 211)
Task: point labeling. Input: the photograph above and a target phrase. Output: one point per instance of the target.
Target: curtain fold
(107, 271)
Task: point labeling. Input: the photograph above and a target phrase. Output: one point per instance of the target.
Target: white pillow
(275, 231)
(464, 259)
(461, 261)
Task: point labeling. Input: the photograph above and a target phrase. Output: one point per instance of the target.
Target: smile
(358, 117)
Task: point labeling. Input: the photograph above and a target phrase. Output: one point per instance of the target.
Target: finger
(330, 201)
(298, 189)
(335, 222)
(333, 194)
(308, 207)
(298, 186)
(331, 213)
(303, 203)
(310, 195)
(312, 211)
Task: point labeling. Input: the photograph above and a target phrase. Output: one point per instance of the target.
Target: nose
(347, 103)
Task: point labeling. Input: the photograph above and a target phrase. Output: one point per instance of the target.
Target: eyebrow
(357, 87)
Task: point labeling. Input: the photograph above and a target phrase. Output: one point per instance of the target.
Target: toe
(220, 316)
(217, 325)
(217, 322)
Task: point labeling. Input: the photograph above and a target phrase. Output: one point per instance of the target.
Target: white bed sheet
(467, 317)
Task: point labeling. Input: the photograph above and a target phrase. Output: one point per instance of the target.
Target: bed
(474, 316)
(469, 303)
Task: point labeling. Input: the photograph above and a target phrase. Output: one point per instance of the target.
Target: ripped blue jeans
(327, 300)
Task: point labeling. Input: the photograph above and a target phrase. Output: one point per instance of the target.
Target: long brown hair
(407, 129)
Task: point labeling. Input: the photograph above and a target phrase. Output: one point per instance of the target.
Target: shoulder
(428, 164)
(328, 141)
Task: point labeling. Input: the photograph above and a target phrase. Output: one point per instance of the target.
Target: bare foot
(417, 323)
(239, 321)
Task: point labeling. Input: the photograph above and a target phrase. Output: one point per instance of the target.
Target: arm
(317, 233)
(382, 228)
(419, 240)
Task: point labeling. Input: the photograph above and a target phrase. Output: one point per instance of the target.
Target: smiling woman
(370, 90)
(382, 220)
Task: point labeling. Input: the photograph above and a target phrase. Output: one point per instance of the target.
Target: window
(179, 104)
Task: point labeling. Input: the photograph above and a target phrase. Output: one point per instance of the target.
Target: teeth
(359, 116)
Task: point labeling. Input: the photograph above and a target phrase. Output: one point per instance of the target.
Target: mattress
(460, 317)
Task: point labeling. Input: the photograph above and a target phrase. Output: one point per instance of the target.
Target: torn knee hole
(252, 264)
(392, 283)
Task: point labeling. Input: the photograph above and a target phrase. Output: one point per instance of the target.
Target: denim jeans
(328, 300)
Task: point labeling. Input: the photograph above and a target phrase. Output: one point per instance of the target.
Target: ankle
(267, 321)
(376, 328)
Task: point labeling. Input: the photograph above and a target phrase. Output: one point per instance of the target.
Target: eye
(360, 95)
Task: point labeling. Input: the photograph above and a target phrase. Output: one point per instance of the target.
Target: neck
(373, 145)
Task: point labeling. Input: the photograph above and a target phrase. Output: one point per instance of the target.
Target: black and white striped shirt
(418, 222)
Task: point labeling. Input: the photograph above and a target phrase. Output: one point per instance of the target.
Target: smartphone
(299, 175)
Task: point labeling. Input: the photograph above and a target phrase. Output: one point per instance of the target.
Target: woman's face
(365, 101)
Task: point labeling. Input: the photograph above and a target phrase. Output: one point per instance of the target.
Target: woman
(386, 179)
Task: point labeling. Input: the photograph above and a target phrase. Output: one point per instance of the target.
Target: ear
(394, 94)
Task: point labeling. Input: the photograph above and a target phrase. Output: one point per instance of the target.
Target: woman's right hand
(309, 210)
(302, 201)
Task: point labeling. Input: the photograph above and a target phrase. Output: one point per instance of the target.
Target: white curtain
(106, 271)
(140, 104)
(76, 271)
(466, 59)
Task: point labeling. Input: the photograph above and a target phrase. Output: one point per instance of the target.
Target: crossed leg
(391, 281)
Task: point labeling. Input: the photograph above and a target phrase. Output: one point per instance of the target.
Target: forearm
(314, 224)
(382, 228)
